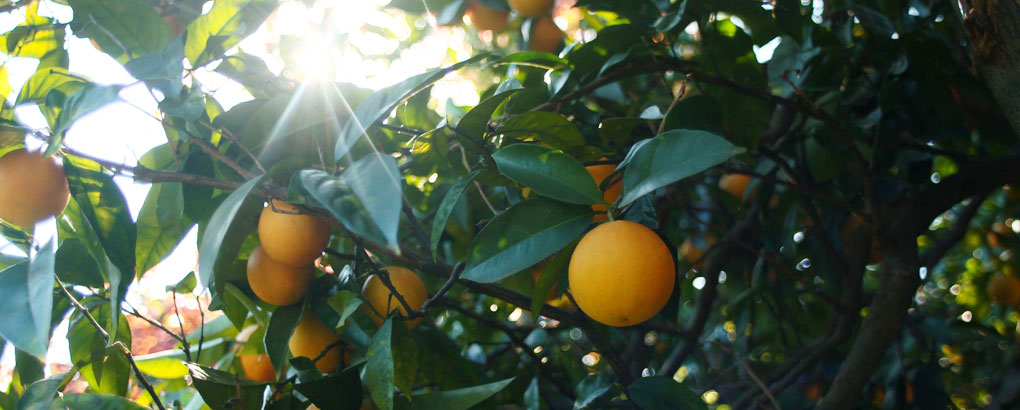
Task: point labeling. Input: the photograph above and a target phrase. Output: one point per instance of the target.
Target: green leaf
(476, 121)
(662, 393)
(33, 41)
(222, 237)
(74, 265)
(219, 389)
(231, 291)
(81, 103)
(99, 402)
(345, 303)
(229, 21)
(26, 298)
(28, 367)
(40, 395)
(281, 325)
(166, 365)
(161, 224)
(532, 399)
(382, 102)
(459, 399)
(447, 367)
(338, 391)
(405, 359)
(162, 70)
(366, 197)
(670, 157)
(446, 207)
(590, 389)
(522, 236)
(105, 371)
(549, 172)
(551, 274)
(379, 369)
(123, 28)
(550, 128)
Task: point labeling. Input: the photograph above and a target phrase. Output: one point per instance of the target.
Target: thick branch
(994, 29)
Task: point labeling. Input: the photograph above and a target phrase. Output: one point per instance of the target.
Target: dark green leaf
(40, 395)
(551, 274)
(29, 368)
(522, 236)
(670, 157)
(446, 207)
(338, 391)
(161, 224)
(662, 393)
(549, 172)
(345, 303)
(405, 359)
(379, 369)
(74, 265)
(281, 326)
(531, 396)
(460, 399)
(590, 389)
(219, 389)
(550, 128)
(476, 122)
(220, 241)
(123, 29)
(99, 402)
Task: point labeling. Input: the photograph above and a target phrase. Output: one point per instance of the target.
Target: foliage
(867, 109)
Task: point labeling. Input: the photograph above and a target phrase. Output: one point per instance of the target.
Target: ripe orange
(290, 236)
(694, 253)
(406, 282)
(1004, 289)
(485, 18)
(531, 8)
(545, 35)
(311, 338)
(621, 273)
(736, 185)
(599, 173)
(257, 367)
(32, 188)
(276, 283)
(850, 228)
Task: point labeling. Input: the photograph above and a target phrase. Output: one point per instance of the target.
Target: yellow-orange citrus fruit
(545, 35)
(531, 8)
(693, 249)
(621, 273)
(599, 173)
(277, 283)
(290, 236)
(32, 188)
(850, 227)
(485, 18)
(257, 367)
(735, 184)
(311, 338)
(1004, 289)
(406, 282)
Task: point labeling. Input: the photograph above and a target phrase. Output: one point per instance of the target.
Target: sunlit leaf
(670, 157)
(522, 236)
(123, 29)
(161, 225)
(550, 128)
(222, 237)
(549, 172)
(379, 368)
(99, 402)
(217, 31)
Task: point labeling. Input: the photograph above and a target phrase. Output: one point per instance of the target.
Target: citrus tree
(653, 204)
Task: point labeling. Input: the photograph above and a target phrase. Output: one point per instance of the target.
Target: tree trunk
(994, 29)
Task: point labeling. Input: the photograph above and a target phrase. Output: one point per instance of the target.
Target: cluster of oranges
(544, 34)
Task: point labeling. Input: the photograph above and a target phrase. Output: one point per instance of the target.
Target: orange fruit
(621, 273)
(531, 8)
(406, 282)
(850, 228)
(290, 236)
(693, 249)
(1004, 289)
(257, 367)
(32, 188)
(311, 338)
(276, 283)
(736, 185)
(545, 35)
(485, 18)
(612, 193)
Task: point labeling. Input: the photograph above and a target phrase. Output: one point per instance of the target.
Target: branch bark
(994, 30)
